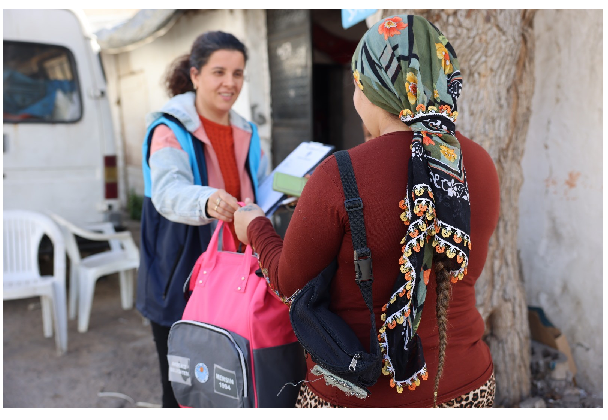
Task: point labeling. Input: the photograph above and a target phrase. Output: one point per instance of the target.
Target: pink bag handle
(227, 239)
(210, 255)
(227, 245)
(212, 250)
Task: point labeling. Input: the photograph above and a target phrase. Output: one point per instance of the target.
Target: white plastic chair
(23, 231)
(122, 258)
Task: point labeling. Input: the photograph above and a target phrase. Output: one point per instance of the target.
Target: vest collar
(182, 107)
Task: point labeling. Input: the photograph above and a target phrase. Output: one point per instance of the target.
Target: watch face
(201, 372)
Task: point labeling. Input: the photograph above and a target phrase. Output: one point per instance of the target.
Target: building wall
(137, 78)
(560, 229)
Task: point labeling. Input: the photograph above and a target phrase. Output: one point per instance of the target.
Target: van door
(52, 128)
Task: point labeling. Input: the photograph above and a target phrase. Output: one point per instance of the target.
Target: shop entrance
(335, 120)
(311, 83)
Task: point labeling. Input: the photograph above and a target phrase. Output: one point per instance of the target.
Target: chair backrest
(23, 231)
(119, 241)
(108, 229)
(70, 240)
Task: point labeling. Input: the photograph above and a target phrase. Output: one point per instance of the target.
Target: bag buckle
(363, 265)
(353, 363)
(353, 204)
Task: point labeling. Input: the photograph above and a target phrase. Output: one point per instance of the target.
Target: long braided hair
(444, 291)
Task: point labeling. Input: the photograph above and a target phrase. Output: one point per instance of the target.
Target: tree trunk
(496, 53)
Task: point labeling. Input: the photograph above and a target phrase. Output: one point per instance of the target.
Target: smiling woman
(199, 159)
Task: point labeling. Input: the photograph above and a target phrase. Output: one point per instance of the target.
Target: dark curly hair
(177, 78)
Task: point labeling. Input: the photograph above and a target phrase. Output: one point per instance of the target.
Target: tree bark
(495, 50)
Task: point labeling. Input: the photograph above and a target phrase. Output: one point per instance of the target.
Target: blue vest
(168, 250)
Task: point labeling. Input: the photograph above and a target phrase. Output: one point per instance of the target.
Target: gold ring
(215, 209)
(219, 200)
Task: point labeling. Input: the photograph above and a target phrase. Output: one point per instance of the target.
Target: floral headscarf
(405, 65)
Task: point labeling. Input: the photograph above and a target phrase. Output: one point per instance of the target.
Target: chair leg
(133, 277)
(85, 299)
(60, 317)
(73, 290)
(47, 316)
(126, 288)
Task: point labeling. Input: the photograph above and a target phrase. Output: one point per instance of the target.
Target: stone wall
(560, 224)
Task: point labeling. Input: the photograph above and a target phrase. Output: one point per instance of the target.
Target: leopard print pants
(480, 397)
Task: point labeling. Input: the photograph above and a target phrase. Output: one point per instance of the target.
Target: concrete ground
(113, 364)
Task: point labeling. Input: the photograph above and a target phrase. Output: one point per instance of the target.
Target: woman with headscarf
(428, 224)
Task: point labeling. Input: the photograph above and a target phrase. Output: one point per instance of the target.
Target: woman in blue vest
(199, 159)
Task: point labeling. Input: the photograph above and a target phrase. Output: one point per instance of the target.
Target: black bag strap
(363, 255)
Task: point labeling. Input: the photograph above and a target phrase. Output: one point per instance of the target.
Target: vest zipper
(179, 256)
(186, 286)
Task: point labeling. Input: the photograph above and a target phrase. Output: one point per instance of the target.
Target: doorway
(335, 120)
(311, 84)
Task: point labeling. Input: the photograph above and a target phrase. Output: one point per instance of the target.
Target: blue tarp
(24, 95)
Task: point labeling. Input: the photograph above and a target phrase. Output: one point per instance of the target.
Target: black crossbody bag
(332, 344)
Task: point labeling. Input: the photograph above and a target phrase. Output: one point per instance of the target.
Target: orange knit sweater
(222, 141)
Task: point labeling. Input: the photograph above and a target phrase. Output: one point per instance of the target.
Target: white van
(59, 149)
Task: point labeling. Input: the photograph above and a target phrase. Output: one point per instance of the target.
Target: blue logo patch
(201, 372)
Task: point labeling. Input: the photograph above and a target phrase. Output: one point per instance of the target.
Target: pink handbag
(234, 346)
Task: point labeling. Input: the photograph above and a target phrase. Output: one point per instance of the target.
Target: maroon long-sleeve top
(319, 231)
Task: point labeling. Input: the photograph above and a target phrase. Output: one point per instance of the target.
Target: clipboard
(300, 162)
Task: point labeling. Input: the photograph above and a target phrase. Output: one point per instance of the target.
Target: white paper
(299, 162)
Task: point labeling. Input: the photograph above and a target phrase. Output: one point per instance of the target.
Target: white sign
(351, 17)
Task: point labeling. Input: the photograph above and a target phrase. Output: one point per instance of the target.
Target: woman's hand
(243, 217)
(222, 206)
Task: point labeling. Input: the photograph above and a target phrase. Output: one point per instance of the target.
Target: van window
(40, 84)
